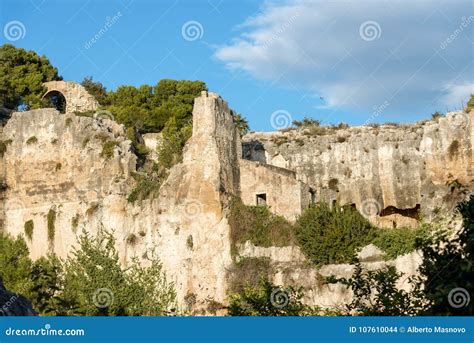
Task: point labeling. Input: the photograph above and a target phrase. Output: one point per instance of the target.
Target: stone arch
(57, 100)
(76, 97)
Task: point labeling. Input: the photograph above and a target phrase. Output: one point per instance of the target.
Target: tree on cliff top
(22, 73)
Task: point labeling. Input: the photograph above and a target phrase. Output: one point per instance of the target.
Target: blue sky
(338, 61)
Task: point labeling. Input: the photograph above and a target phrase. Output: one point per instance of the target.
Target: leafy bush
(147, 186)
(51, 218)
(258, 225)
(96, 284)
(306, 123)
(470, 104)
(399, 241)
(32, 140)
(29, 226)
(3, 146)
(247, 272)
(267, 299)
(376, 293)
(108, 149)
(15, 264)
(332, 234)
(453, 148)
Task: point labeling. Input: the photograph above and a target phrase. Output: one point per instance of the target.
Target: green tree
(22, 74)
(96, 89)
(242, 124)
(46, 286)
(96, 284)
(447, 269)
(15, 263)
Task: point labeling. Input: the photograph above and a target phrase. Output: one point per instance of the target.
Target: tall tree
(22, 74)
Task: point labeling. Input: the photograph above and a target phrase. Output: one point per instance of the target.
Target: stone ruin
(69, 97)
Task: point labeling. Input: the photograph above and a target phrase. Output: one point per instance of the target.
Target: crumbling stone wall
(284, 194)
(77, 98)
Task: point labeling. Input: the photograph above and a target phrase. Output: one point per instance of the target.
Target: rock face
(68, 173)
(389, 172)
(12, 304)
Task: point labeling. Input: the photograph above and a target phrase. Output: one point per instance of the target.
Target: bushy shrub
(259, 226)
(96, 284)
(400, 241)
(267, 299)
(332, 234)
(376, 293)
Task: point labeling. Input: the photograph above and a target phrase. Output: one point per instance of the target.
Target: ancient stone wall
(282, 192)
(77, 98)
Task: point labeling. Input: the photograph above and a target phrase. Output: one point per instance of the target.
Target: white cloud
(320, 47)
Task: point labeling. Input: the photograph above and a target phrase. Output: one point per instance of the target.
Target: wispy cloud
(360, 54)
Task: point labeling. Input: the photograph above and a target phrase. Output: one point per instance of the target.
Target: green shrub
(267, 299)
(147, 187)
(51, 217)
(470, 104)
(189, 242)
(259, 226)
(95, 283)
(29, 226)
(453, 148)
(75, 222)
(108, 149)
(332, 234)
(3, 146)
(174, 139)
(376, 293)
(32, 140)
(399, 241)
(131, 239)
(15, 263)
(247, 272)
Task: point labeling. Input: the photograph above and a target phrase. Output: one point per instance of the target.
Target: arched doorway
(56, 100)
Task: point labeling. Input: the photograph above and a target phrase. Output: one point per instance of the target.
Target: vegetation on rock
(22, 74)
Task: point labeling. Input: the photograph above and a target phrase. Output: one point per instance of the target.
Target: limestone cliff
(388, 172)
